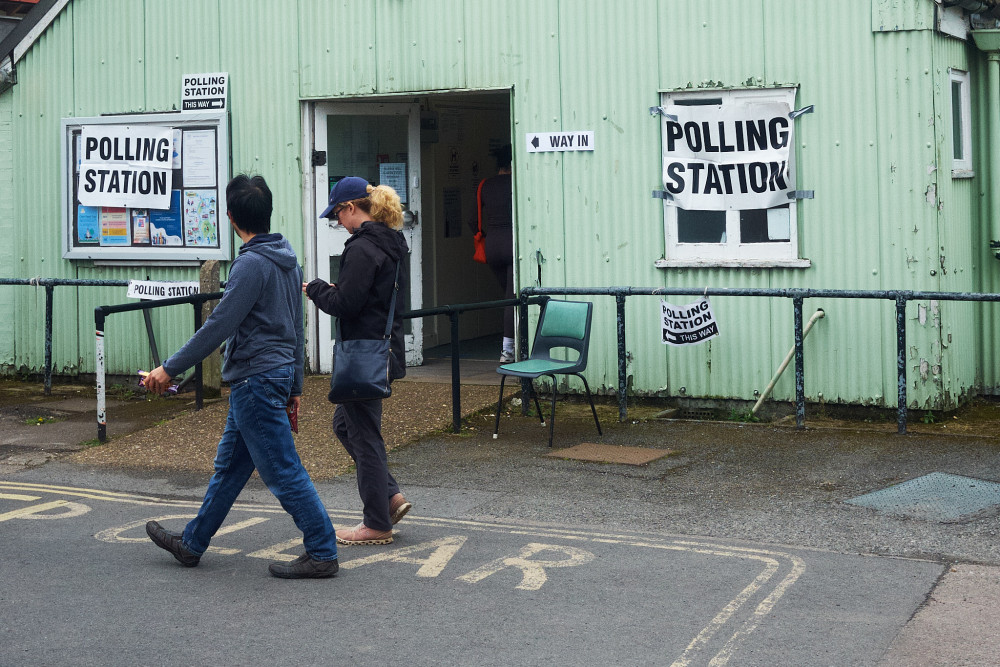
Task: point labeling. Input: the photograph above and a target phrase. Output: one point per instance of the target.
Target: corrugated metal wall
(7, 267)
(959, 244)
(876, 151)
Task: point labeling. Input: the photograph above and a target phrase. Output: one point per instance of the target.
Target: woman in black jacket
(360, 300)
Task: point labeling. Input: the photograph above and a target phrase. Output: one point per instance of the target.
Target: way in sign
(545, 142)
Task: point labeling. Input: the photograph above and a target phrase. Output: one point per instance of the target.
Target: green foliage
(741, 416)
(928, 418)
(38, 421)
(122, 392)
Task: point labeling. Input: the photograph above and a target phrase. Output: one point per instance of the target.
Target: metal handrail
(900, 297)
(453, 311)
(101, 313)
(50, 284)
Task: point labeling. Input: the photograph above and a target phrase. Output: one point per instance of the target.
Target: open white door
(380, 143)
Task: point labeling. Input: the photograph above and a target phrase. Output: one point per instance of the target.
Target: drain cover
(934, 497)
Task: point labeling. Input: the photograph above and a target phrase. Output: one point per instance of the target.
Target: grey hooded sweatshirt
(259, 316)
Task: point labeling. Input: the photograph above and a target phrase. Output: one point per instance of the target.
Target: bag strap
(392, 308)
(392, 303)
(479, 204)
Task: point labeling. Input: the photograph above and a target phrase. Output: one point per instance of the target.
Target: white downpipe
(788, 358)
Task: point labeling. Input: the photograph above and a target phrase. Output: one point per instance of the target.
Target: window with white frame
(961, 125)
(729, 178)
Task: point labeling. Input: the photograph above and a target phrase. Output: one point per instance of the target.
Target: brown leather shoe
(171, 542)
(362, 534)
(398, 507)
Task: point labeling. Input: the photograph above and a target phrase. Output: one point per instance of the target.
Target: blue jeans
(258, 436)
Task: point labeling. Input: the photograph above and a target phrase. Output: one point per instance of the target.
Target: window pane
(762, 225)
(956, 120)
(701, 226)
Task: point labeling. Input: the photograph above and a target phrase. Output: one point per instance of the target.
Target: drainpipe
(989, 41)
(788, 358)
(994, 154)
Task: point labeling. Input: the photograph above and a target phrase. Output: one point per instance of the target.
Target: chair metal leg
(552, 417)
(592, 408)
(496, 425)
(538, 407)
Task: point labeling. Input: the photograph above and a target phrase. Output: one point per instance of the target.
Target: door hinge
(318, 158)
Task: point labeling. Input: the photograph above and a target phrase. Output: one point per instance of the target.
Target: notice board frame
(216, 121)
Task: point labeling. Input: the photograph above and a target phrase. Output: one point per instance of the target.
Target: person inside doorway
(496, 216)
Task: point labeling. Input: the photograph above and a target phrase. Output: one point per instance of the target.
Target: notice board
(146, 187)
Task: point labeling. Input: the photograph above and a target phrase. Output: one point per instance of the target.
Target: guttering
(973, 6)
(989, 42)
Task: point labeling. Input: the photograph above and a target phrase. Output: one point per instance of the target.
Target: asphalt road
(83, 585)
(736, 549)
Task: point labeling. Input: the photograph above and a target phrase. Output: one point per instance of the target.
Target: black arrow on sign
(534, 141)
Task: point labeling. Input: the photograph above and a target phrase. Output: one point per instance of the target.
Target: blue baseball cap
(348, 188)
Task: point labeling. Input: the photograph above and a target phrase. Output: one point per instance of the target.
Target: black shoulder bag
(361, 367)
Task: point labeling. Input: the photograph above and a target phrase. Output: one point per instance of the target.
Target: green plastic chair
(563, 324)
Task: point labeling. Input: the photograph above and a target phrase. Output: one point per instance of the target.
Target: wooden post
(212, 365)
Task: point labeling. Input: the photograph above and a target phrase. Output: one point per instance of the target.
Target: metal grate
(934, 497)
(693, 413)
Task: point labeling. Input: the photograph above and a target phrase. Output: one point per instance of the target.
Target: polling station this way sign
(126, 166)
(735, 156)
(689, 324)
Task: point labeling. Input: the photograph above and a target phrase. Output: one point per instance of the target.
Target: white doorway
(442, 144)
(380, 143)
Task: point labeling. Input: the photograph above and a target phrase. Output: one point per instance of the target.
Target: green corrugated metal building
(892, 180)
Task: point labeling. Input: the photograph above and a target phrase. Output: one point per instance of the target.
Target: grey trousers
(358, 426)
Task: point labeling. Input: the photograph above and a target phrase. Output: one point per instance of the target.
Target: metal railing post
(622, 360)
(800, 385)
(198, 387)
(49, 296)
(522, 354)
(102, 423)
(456, 376)
(901, 363)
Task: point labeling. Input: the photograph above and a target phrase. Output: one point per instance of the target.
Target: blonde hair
(383, 205)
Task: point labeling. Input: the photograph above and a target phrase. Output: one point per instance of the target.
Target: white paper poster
(393, 174)
(733, 157)
(198, 158)
(125, 166)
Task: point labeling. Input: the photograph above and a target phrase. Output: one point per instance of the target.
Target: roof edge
(30, 28)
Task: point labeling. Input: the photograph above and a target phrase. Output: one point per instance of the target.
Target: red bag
(478, 240)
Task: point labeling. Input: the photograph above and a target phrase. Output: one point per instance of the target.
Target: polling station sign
(155, 289)
(688, 325)
(204, 92)
(733, 156)
(126, 166)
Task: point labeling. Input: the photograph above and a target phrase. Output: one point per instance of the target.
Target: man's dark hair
(249, 200)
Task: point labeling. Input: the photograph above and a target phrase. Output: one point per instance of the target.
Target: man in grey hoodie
(260, 318)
